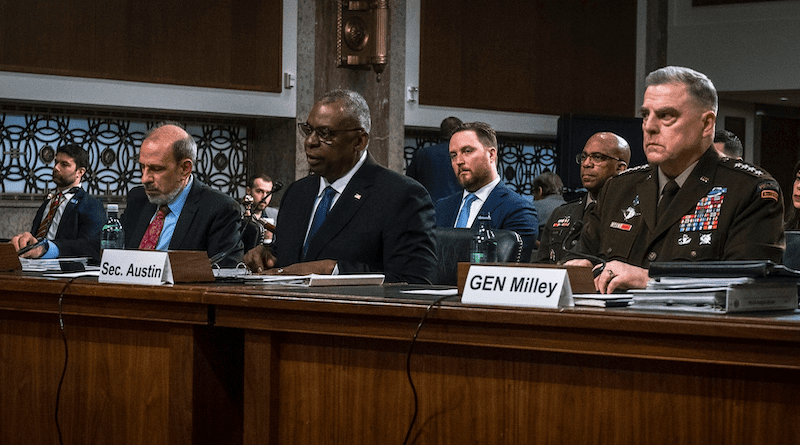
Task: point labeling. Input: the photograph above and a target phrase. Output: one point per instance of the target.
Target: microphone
(576, 228)
(276, 187)
(242, 225)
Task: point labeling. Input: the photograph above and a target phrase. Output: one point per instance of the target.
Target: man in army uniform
(604, 155)
(687, 204)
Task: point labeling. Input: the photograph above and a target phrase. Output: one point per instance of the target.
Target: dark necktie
(44, 226)
(463, 215)
(669, 192)
(319, 216)
(589, 207)
(153, 233)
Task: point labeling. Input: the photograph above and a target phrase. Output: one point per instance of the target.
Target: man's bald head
(604, 155)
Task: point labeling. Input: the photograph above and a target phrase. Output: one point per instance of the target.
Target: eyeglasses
(596, 158)
(324, 134)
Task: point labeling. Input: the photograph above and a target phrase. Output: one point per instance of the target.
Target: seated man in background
(688, 203)
(604, 155)
(473, 153)
(431, 165)
(174, 211)
(260, 188)
(351, 215)
(70, 221)
(727, 144)
(548, 193)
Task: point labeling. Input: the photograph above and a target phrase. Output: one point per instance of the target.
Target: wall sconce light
(363, 35)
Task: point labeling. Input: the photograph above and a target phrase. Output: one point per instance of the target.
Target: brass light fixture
(363, 35)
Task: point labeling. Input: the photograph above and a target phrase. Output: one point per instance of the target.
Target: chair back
(453, 245)
(791, 257)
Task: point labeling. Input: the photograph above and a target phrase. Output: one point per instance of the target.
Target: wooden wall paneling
(534, 57)
(355, 390)
(261, 388)
(236, 44)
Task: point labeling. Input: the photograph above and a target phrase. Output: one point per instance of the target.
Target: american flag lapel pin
(357, 196)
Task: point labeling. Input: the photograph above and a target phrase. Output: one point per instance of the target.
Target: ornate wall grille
(519, 160)
(29, 142)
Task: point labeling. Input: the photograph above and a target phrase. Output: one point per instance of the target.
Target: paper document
(312, 280)
(51, 264)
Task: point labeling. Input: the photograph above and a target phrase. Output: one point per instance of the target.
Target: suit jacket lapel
(647, 191)
(493, 201)
(71, 204)
(298, 215)
(187, 215)
(354, 195)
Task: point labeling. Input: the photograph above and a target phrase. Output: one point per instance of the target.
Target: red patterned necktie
(44, 226)
(150, 238)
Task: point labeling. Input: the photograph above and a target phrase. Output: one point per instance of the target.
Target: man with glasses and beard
(173, 210)
(350, 215)
(70, 221)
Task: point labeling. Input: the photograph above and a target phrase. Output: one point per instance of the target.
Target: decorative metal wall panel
(518, 161)
(29, 142)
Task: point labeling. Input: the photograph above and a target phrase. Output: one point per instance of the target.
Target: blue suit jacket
(382, 222)
(209, 221)
(507, 209)
(78, 233)
(431, 166)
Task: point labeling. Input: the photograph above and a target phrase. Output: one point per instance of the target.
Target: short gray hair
(697, 84)
(355, 106)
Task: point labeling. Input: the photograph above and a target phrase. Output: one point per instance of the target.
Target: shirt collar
(177, 204)
(680, 179)
(483, 193)
(340, 184)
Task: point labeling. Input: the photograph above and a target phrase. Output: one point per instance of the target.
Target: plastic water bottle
(113, 236)
(484, 245)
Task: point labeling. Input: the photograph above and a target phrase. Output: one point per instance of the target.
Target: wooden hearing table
(260, 364)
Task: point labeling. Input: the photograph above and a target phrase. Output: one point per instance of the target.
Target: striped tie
(44, 226)
(153, 233)
(319, 216)
(463, 215)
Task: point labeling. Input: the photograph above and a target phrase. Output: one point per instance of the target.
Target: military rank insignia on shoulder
(634, 169)
(737, 164)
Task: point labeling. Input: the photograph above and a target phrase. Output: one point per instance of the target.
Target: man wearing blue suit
(350, 215)
(473, 154)
(70, 221)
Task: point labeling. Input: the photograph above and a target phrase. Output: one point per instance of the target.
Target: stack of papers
(601, 300)
(312, 280)
(53, 264)
(723, 295)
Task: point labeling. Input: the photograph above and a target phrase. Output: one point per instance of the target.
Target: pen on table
(30, 247)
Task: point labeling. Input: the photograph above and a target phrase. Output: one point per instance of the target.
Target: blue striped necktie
(319, 215)
(463, 215)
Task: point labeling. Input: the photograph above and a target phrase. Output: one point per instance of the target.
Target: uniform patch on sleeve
(769, 194)
(769, 190)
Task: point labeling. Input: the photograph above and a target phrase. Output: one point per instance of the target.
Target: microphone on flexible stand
(242, 224)
(576, 228)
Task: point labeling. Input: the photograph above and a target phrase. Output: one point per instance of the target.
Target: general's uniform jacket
(726, 210)
(565, 222)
